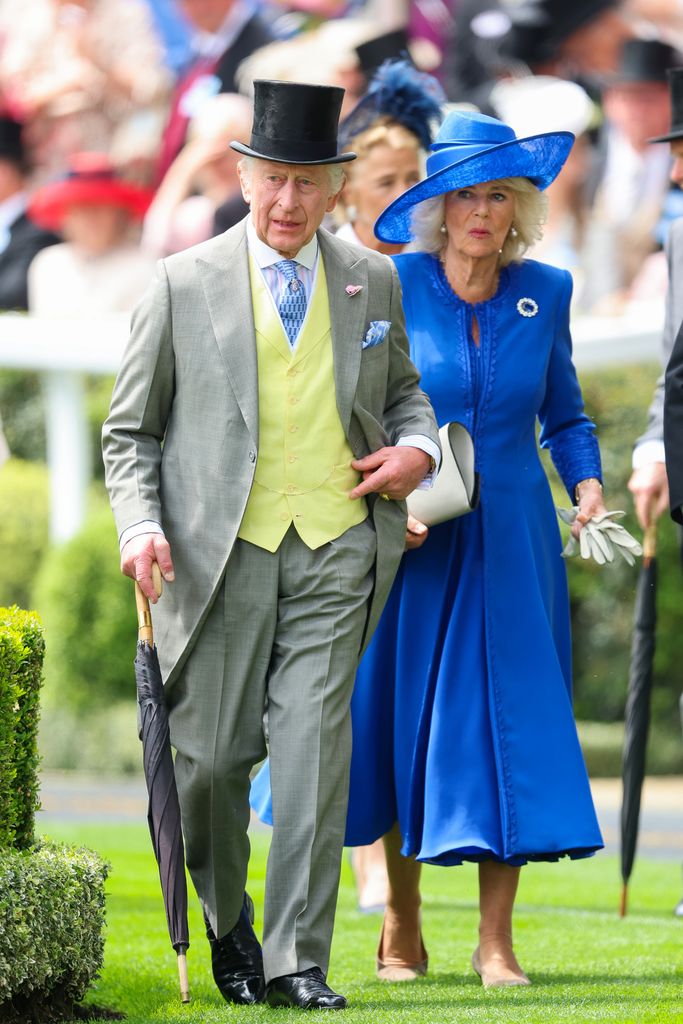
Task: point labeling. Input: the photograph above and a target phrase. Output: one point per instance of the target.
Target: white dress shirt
(10, 211)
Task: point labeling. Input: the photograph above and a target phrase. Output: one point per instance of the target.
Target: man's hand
(137, 558)
(649, 486)
(416, 533)
(394, 472)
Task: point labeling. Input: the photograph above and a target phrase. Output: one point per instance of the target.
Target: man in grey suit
(265, 426)
(657, 479)
(649, 484)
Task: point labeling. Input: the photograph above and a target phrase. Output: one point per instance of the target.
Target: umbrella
(163, 811)
(637, 715)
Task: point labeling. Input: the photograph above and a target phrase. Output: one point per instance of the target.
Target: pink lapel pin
(353, 289)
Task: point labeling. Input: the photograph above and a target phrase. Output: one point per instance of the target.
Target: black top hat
(539, 27)
(11, 146)
(645, 60)
(675, 76)
(373, 52)
(295, 123)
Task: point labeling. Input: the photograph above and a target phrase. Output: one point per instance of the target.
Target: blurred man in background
(20, 238)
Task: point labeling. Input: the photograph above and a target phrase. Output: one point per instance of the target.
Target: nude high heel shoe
(394, 968)
(500, 968)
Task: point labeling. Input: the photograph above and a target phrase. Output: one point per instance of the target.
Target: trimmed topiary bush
(22, 649)
(51, 922)
(51, 897)
(23, 528)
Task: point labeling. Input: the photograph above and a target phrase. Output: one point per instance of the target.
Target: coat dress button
(252, 456)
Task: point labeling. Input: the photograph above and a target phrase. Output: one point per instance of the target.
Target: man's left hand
(394, 472)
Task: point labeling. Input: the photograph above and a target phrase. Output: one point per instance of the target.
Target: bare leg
(370, 869)
(494, 959)
(401, 955)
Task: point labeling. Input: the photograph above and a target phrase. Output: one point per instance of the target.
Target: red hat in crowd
(91, 181)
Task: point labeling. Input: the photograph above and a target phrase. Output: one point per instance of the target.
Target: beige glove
(600, 538)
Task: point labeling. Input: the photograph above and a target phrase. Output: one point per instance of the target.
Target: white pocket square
(376, 333)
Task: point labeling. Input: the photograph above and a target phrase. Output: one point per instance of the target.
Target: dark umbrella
(163, 812)
(637, 715)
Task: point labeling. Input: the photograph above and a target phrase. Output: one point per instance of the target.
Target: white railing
(64, 350)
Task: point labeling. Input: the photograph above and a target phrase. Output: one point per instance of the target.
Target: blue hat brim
(538, 157)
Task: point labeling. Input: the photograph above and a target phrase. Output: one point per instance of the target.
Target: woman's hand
(590, 502)
(416, 533)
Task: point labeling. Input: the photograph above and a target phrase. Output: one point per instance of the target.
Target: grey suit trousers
(284, 632)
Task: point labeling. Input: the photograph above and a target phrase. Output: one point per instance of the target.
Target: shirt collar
(11, 209)
(212, 45)
(266, 257)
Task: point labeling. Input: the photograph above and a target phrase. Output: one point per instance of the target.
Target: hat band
(103, 175)
(454, 154)
(289, 149)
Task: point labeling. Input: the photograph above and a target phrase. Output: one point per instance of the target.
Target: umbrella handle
(182, 976)
(650, 543)
(145, 631)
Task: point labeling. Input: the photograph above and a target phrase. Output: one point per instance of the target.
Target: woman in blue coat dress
(464, 742)
(464, 734)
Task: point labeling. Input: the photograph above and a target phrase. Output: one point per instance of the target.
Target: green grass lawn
(585, 963)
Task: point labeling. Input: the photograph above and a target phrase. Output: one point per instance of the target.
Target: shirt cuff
(146, 526)
(648, 452)
(425, 444)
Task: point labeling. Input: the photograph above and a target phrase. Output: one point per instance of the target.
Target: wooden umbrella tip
(623, 901)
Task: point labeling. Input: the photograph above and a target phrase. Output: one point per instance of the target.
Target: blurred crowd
(115, 119)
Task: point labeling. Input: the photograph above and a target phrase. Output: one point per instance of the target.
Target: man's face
(677, 165)
(288, 202)
(639, 110)
(206, 15)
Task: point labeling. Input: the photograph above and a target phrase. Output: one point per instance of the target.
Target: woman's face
(379, 178)
(94, 229)
(478, 219)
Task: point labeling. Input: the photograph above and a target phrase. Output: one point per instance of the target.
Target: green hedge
(51, 925)
(603, 597)
(22, 649)
(22, 402)
(90, 620)
(23, 528)
(23, 413)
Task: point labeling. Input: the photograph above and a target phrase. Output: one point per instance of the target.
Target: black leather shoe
(236, 959)
(307, 990)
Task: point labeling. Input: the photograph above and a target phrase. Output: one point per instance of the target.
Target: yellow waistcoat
(303, 472)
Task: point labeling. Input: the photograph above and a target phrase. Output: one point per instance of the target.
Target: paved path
(76, 797)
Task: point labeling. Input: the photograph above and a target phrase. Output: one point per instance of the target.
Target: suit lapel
(347, 318)
(225, 279)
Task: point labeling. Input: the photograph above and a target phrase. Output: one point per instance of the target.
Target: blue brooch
(527, 307)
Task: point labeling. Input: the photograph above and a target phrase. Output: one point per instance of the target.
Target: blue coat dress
(463, 728)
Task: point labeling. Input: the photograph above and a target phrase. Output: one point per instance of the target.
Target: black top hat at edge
(645, 60)
(389, 46)
(295, 123)
(540, 27)
(675, 76)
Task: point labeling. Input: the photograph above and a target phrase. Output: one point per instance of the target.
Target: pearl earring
(442, 229)
(513, 231)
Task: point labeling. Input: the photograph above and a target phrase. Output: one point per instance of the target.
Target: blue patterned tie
(292, 308)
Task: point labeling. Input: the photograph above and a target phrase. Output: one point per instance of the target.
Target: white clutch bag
(456, 489)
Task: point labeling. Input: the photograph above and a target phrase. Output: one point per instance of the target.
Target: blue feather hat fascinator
(400, 92)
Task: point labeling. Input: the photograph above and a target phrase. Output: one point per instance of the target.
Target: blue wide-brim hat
(472, 148)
